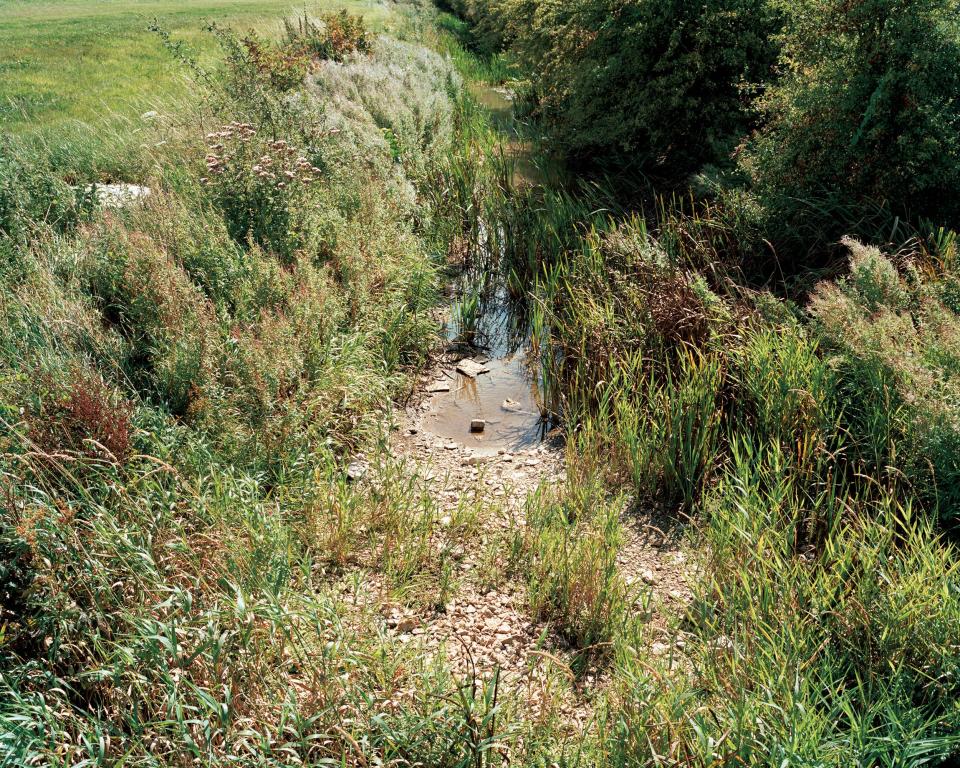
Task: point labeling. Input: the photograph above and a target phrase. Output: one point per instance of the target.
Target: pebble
(356, 470)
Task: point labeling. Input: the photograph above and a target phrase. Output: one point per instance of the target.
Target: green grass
(78, 74)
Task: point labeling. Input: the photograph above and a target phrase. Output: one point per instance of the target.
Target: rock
(474, 461)
(471, 368)
(117, 195)
(510, 405)
(723, 643)
(450, 446)
(478, 425)
(438, 386)
(356, 471)
(446, 521)
(659, 649)
(648, 577)
(406, 624)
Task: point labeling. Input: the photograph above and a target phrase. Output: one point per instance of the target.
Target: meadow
(77, 76)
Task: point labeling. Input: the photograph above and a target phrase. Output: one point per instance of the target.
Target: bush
(659, 87)
(899, 368)
(263, 189)
(87, 418)
(283, 67)
(865, 115)
(332, 36)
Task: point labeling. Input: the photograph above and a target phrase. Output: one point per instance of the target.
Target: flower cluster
(230, 149)
(263, 187)
(285, 165)
(219, 144)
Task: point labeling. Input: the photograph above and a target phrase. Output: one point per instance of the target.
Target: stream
(505, 398)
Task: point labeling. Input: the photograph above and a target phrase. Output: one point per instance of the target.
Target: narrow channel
(499, 409)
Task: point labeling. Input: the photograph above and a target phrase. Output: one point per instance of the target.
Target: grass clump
(568, 551)
(839, 651)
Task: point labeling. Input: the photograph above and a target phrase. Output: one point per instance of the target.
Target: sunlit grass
(77, 75)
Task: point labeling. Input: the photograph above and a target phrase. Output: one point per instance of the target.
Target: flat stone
(478, 425)
(438, 386)
(471, 368)
(357, 470)
(117, 195)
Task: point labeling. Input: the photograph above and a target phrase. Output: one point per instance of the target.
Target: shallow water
(506, 398)
(498, 102)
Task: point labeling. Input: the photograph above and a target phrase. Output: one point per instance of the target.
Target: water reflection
(507, 398)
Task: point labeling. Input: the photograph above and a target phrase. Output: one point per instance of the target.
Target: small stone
(406, 624)
(723, 643)
(450, 446)
(471, 368)
(446, 521)
(438, 386)
(356, 471)
(659, 649)
(478, 425)
(648, 577)
(510, 405)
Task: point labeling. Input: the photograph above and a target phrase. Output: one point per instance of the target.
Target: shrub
(652, 86)
(332, 36)
(898, 363)
(262, 187)
(865, 115)
(283, 67)
(84, 417)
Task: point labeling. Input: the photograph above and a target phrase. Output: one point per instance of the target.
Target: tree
(662, 86)
(866, 114)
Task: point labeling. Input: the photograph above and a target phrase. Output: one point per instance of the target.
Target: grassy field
(73, 72)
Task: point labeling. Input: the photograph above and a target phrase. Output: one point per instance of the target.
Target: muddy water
(505, 398)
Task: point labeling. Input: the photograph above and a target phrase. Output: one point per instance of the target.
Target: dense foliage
(865, 114)
(182, 384)
(654, 86)
(192, 568)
